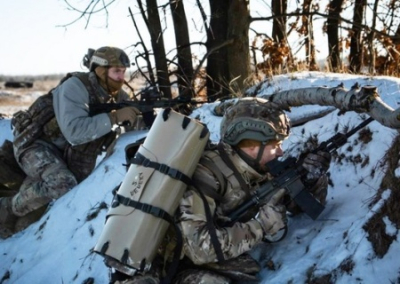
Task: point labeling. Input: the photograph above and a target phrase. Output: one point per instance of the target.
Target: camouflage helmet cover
(255, 119)
(109, 56)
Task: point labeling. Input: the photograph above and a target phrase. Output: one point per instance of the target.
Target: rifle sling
(211, 228)
(229, 163)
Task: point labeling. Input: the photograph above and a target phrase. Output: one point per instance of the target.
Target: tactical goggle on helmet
(255, 119)
(110, 57)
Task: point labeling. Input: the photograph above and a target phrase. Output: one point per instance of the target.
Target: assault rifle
(146, 105)
(289, 174)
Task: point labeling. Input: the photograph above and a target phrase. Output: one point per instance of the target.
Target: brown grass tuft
(376, 227)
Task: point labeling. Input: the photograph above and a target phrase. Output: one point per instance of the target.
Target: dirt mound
(378, 232)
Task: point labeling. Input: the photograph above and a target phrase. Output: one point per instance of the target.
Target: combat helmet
(107, 56)
(255, 119)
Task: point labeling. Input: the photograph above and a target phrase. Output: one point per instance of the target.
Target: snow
(57, 248)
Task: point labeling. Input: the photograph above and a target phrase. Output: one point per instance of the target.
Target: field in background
(15, 99)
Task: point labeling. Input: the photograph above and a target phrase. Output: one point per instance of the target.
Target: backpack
(145, 203)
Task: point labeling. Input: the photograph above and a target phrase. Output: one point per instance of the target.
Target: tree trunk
(184, 53)
(396, 38)
(355, 56)
(335, 8)
(238, 54)
(228, 47)
(364, 100)
(217, 70)
(371, 37)
(157, 43)
(309, 36)
(279, 8)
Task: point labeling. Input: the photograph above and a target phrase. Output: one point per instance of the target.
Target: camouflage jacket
(228, 194)
(61, 118)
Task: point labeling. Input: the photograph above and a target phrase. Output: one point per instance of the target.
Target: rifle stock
(289, 174)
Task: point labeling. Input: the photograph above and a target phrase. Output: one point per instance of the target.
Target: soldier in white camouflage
(56, 141)
(252, 131)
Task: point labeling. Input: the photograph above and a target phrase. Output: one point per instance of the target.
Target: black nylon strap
(139, 159)
(211, 228)
(160, 213)
(228, 162)
(147, 208)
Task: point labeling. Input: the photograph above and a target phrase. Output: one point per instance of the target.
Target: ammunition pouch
(79, 162)
(81, 159)
(21, 120)
(29, 124)
(52, 130)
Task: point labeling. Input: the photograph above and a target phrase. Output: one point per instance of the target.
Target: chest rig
(39, 122)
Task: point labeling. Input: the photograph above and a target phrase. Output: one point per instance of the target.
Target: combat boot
(7, 218)
(24, 221)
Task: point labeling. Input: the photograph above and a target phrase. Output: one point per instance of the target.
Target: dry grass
(376, 226)
(12, 100)
(15, 99)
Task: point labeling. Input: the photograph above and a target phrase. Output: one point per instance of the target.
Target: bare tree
(238, 55)
(308, 32)
(334, 10)
(157, 42)
(278, 8)
(227, 57)
(184, 72)
(227, 47)
(355, 56)
(370, 38)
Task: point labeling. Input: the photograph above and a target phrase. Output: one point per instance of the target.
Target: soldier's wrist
(113, 117)
(259, 225)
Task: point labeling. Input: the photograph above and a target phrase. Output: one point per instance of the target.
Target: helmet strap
(260, 153)
(254, 163)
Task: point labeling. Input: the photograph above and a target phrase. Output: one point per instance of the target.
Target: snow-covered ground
(57, 249)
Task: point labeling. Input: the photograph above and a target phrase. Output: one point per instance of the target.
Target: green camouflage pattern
(201, 277)
(235, 240)
(219, 109)
(239, 270)
(255, 119)
(48, 178)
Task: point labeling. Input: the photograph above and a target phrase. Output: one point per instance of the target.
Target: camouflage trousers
(186, 277)
(238, 270)
(48, 177)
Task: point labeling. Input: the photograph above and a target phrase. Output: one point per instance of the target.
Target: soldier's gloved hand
(124, 115)
(272, 216)
(316, 164)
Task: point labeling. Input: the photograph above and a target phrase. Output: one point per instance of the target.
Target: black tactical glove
(316, 164)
